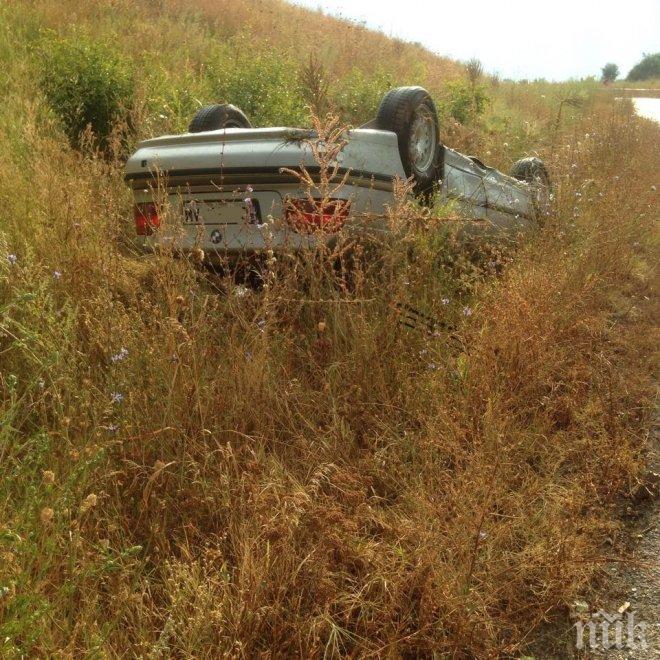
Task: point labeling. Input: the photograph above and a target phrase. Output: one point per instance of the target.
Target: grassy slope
(267, 484)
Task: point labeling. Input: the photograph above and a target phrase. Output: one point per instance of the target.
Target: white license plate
(219, 212)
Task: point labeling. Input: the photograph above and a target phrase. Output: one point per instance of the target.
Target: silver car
(230, 189)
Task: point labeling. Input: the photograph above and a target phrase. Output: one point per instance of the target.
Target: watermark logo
(606, 631)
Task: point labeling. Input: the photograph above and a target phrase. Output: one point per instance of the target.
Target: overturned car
(217, 186)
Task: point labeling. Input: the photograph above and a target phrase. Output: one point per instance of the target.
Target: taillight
(146, 218)
(308, 216)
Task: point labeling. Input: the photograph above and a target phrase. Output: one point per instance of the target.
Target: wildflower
(574, 166)
(432, 366)
(89, 503)
(121, 355)
(116, 397)
(483, 535)
(467, 311)
(251, 213)
(174, 358)
(48, 476)
(261, 324)
(12, 259)
(248, 356)
(57, 275)
(41, 383)
(445, 301)
(47, 515)
(241, 291)
(112, 428)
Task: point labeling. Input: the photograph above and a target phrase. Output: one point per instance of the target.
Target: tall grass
(191, 468)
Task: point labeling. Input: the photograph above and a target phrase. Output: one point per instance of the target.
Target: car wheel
(410, 113)
(533, 171)
(218, 116)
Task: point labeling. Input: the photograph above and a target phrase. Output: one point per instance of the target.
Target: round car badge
(216, 236)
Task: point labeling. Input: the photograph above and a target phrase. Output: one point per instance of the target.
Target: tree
(648, 68)
(610, 72)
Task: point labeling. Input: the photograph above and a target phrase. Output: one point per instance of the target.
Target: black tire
(399, 111)
(218, 116)
(533, 171)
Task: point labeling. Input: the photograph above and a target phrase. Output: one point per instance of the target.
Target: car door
(463, 182)
(509, 202)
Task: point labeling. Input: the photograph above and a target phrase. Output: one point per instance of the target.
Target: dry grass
(294, 472)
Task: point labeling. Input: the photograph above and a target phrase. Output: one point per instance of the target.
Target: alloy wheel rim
(423, 138)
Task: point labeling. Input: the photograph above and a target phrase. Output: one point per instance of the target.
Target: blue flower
(116, 397)
(12, 259)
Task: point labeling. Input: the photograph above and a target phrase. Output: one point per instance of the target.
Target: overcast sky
(553, 39)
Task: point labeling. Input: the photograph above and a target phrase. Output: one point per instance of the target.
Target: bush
(648, 68)
(263, 85)
(173, 99)
(462, 101)
(86, 84)
(358, 95)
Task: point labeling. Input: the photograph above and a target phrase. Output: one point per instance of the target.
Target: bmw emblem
(216, 236)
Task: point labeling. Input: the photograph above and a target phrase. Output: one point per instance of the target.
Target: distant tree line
(647, 69)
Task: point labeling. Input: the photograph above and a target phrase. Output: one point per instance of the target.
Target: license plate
(221, 212)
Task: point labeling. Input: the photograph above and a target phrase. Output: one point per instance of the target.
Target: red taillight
(308, 216)
(146, 218)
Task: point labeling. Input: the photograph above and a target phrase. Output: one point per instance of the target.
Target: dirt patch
(635, 585)
(628, 590)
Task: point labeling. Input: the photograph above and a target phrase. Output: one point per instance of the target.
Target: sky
(552, 39)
